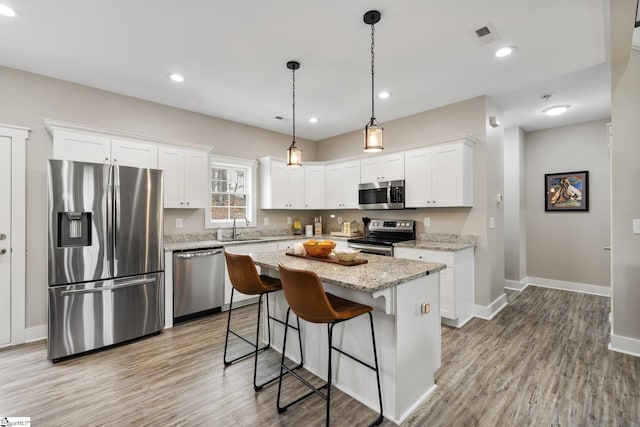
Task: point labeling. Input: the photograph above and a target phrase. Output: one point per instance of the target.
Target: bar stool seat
(308, 300)
(245, 279)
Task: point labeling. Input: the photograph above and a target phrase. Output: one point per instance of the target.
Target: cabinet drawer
(444, 257)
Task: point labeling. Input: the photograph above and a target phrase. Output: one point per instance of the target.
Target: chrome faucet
(235, 233)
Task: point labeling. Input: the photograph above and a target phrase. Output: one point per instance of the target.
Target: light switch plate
(289, 220)
(427, 221)
(266, 220)
(179, 223)
(636, 226)
(492, 223)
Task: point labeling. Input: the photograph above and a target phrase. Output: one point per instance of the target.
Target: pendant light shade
(372, 130)
(294, 154)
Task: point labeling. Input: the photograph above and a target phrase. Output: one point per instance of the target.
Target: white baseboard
(35, 333)
(488, 312)
(625, 345)
(515, 285)
(604, 291)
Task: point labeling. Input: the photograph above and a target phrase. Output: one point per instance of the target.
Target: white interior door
(5, 236)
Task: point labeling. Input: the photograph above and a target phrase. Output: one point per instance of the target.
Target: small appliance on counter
(106, 255)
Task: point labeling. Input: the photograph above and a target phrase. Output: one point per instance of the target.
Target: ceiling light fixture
(176, 77)
(313, 120)
(505, 51)
(384, 95)
(294, 154)
(7, 11)
(556, 110)
(372, 130)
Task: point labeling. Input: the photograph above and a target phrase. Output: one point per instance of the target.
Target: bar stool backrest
(243, 274)
(306, 296)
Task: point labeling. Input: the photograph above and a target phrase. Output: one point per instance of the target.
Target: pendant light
(294, 154)
(372, 130)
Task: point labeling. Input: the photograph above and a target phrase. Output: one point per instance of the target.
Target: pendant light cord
(373, 116)
(294, 105)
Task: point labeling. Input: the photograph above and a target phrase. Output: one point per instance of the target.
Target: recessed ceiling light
(313, 120)
(384, 95)
(176, 77)
(556, 110)
(7, 11)
(505, 51)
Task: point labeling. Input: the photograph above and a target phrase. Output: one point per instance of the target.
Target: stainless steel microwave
(381, 195)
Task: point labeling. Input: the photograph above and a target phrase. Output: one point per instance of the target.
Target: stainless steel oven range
(382, 234)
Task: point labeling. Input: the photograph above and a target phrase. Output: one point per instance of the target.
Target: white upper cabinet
(388, 167)
(281, 186)
(134, 153)
(185, 177)
(440, 175)
(97, 148)
(314, 186)
(341, 185)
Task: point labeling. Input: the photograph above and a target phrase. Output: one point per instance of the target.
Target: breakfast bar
(405, 297)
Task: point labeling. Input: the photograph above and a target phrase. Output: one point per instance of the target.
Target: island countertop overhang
(380, 272)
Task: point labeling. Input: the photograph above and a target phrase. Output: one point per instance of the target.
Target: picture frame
(566, 192)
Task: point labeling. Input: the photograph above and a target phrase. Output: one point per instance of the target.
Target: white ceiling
(233, 56)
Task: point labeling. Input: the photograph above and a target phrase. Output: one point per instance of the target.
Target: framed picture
(566, 192)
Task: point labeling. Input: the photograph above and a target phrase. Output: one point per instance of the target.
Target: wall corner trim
(515, 285)
(489, 312)
(585, 288)
(630, 346)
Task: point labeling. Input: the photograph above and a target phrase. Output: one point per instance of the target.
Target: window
(233, 192)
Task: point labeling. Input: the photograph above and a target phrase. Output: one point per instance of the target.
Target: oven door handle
(380, 250)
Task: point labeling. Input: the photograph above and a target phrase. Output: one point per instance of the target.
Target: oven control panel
(403, 225)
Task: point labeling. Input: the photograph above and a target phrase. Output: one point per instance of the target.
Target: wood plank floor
(542, 361)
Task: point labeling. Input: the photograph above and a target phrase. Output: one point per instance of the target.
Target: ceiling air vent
(486, 34)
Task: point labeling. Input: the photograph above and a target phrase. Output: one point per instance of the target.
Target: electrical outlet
(636, 226)
(422, 309)
(289, 220)
(266, 220)
(492, 223)
(427, 221)
(339, 220)
(179, 223)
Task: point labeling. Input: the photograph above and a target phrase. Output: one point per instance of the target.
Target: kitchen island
(405, 297)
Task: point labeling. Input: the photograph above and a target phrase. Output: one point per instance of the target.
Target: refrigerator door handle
(85, 291)
(136, 282)
(116, 210)
(110, 220)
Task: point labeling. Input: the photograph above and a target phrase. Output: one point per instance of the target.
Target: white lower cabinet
(456, 281)
(243, 249)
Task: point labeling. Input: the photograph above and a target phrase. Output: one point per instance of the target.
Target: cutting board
(330, 260)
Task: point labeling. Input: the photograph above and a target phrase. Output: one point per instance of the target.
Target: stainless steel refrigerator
(106, 255)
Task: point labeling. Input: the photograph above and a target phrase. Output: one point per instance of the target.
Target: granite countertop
(193, 241)
(441, 242)
(378, 273)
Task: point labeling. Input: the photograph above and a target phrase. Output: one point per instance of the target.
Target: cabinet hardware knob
(3, 251)
(3, 236)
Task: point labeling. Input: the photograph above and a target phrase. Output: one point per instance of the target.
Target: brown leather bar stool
(245, 279)
(308, 300)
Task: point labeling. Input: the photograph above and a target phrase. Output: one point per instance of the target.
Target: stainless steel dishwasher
(198, 282)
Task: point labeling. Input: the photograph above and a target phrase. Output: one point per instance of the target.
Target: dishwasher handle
(197, 254)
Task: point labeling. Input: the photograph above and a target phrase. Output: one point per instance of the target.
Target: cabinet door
(278, 187)
(334, 186)
(134, 153)
(350, 181)
(370, 170)
(81, 147)
(392, 167)
(448, 294)
(171, 161)
(417, 190)
(295, 188)
(447, 175)
(196, 177)
(314, 187)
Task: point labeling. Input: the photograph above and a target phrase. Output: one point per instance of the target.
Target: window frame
(251, 172)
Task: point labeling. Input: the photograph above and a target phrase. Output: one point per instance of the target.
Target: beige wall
(625, 176)
(463, 118)
(569, 246)
(27, 99)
